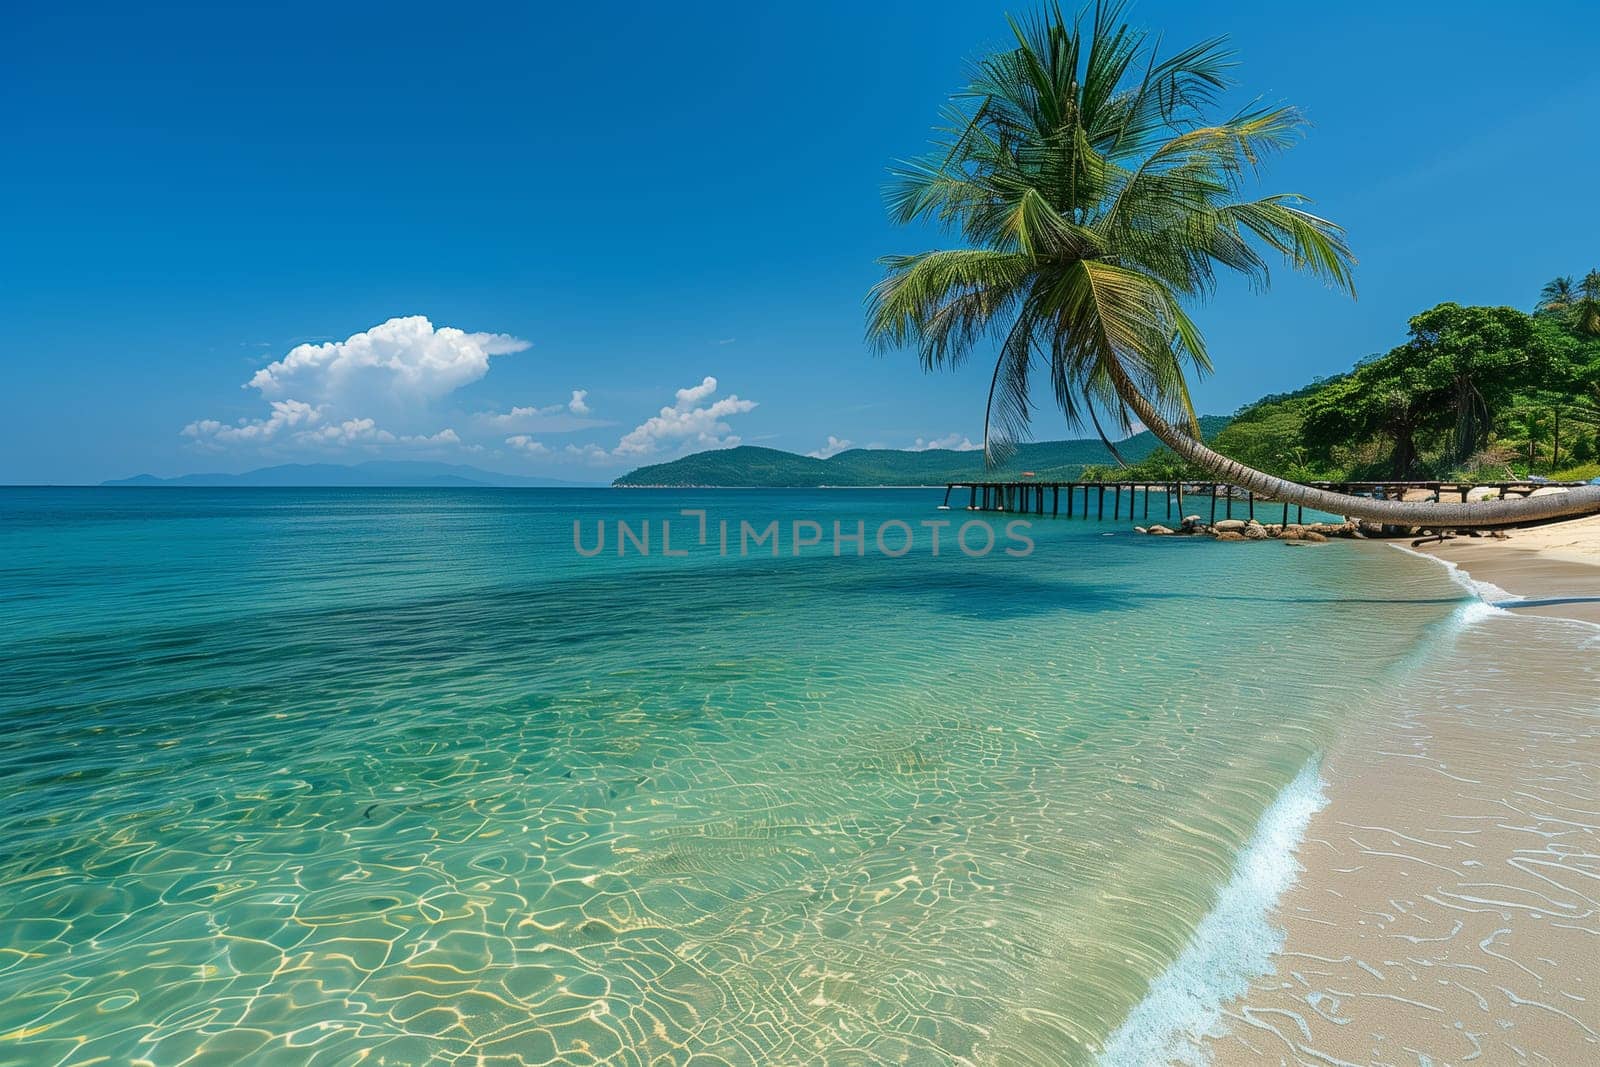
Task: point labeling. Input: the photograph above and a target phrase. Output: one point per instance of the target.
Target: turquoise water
(397, 776)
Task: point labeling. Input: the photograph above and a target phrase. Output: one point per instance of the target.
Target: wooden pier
(1084, 499)
(1027, 497)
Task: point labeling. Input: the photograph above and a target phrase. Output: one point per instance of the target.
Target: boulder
(1292, 532)
(1191, 520)
(1256, 532)
(1315, 538)
(1159, 530)
(1229, 535)
(1235, 525)
(1548, 490)
(1482, 492)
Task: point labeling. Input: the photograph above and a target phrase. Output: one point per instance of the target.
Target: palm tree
(1557, 295)
(1587, 306)
(1098, 203)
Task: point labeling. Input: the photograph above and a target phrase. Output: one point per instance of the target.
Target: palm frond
(1007, 411)
(944, 302)
(1100, 201)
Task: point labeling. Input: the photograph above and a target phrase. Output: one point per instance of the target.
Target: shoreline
(1447, 903)
(1551, 570)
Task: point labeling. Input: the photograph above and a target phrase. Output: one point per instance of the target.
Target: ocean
(429, 776)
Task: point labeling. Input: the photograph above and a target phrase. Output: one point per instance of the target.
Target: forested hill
(1474, 393)
(771, 467)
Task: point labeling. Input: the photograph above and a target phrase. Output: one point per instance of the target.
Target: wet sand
(1557, 565)
(1449, 907)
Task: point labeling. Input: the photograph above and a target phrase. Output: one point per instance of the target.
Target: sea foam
(1487, 592)
(1234, 943)
(1492, 600)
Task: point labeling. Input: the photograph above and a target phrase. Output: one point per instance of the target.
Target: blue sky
(623, 202)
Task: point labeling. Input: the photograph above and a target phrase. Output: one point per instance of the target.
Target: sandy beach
(1557, 565)
(1449, 906)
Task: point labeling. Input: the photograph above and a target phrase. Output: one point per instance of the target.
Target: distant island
(397, 474)
(749, 466)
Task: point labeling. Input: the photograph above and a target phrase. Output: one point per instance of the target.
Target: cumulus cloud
(286, 415)
(445, 437)
(523, 443)
(296, 422)
(574, 414)
(691, 395)
(834, 446)
(347, 432)
(406, 356)
(588, 454)
(688, 421)
(953, 441)
(333, 395)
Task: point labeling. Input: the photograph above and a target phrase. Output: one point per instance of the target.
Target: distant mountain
(399, 474)
(748, 465)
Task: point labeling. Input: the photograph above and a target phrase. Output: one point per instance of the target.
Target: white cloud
(348, 432)
(517, 415)
(444, 437)
(332, 395)
(286, 414)
(686, 423)
(691, 395)
(368, 432)
(404, 356)
(523, 443)
(589, 454)
(834, 446)
(296, 422)
(551, 418)
(953, 441)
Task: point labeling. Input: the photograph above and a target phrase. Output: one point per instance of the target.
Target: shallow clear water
(398, 776)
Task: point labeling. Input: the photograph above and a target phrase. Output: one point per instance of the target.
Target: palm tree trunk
(1584, 500)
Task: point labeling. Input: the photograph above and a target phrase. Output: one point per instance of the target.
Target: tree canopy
(1470, 387)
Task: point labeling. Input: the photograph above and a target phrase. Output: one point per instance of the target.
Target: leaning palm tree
(1100, 202)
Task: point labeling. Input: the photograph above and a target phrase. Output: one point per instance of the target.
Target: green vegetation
(1098, 200)
(1476, 392)
(769, 467)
